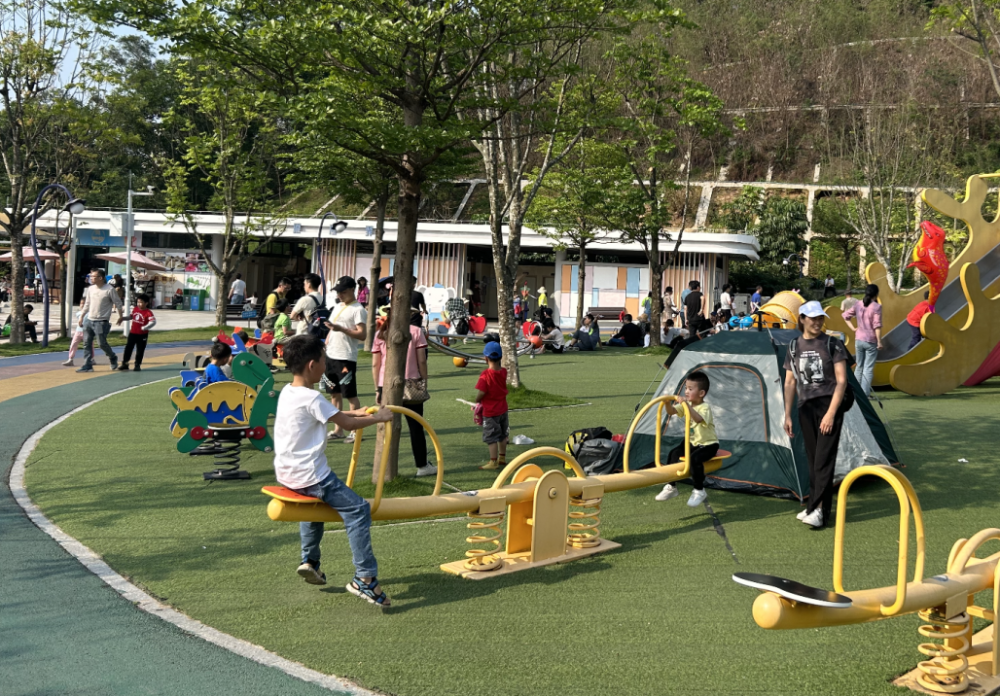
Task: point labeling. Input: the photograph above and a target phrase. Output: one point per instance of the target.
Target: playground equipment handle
(660, 401)
(516, 463)
(907, 500)
(403, 411)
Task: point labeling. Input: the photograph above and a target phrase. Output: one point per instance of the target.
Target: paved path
(64, 632)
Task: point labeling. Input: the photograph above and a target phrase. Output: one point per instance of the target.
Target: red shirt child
(141, 319)
(492, 396)
(917, 313)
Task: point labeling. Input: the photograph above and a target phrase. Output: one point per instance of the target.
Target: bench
(235, 311)
(605, 313)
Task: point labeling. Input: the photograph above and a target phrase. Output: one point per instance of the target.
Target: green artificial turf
(523, 397)
(115, 338)
(658, 616)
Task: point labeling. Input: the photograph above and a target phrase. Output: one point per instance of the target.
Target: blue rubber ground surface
(64, 632)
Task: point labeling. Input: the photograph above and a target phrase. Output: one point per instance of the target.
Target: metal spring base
(486, 530)
(584, 534)
(226, 452)
(945, 671)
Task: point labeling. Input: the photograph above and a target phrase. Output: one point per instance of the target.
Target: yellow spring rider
(541, 528)
(944, 602)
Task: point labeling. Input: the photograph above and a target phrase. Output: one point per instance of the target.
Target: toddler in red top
(913, 319)
(491, 393)
(142, 321)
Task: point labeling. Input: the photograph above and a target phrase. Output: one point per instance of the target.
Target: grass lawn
(115, 338)
(658, 616)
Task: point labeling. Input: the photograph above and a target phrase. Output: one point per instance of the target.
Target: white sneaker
(427, 470)
(669, 491)
(814, 519)
(697, 498)
(802, 515)
(68, 363)
(349, 439)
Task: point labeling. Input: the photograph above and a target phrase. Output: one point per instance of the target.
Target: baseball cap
(345, 283)
(813, 309)
(493, 350)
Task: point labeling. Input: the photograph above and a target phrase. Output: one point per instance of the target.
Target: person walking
(816, 371)
(694, 304)
(415, 391)
(829, 286)
(99, 301)
(238, 291)
(142, 321)
(363, 291)
(867, 335)
(307, 304)
(77, 335)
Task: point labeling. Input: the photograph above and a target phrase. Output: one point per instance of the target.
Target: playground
(660, 614)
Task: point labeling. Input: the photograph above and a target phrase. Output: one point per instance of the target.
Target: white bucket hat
(542, 289)
(813, 309)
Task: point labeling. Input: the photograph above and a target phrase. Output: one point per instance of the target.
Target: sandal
(335, 436)
(359, 588)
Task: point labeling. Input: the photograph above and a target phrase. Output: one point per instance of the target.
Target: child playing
(220, 357)
(704, 443)
(77, 335)
(138, 335)
(276, 321)
(300, 464)
(492, 394)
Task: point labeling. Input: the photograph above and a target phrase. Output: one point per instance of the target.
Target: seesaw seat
(287, 495)
(795, 591)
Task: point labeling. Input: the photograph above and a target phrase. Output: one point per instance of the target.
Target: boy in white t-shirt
(348, 326)
(300, 464)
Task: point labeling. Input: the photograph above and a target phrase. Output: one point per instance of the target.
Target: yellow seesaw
(945, 602)
(535, 504)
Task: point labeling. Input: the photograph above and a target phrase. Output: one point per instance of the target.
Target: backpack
(599, 455)
(577, 437)
(848, 401)
(317, 318)
(262, 310)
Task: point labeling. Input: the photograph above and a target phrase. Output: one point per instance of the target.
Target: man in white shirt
(307, 304)
(829, 286)
(95, 318)
(238, 290)
(348, 326)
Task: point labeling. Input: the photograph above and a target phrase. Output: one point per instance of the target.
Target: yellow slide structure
(960, 339)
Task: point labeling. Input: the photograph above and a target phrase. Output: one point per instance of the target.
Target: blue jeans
(98, 330)
(237, 299)
(865, 369)
(357, 517)
(617, 343)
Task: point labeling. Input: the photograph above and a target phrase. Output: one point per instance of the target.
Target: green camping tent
(748, 403)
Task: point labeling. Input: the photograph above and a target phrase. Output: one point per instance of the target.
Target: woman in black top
(816, 372)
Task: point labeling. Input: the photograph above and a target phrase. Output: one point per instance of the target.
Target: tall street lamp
(74, 206)
(337, 227)
(128, 254)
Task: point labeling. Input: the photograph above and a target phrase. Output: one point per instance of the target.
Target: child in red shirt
(142, 321)
(492, 394)
(914, 317)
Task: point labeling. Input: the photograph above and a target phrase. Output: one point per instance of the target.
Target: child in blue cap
(492, 394)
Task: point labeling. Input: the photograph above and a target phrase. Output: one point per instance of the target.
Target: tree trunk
(16, 282)
(399, 320)
(655, 283)
(223, 300)
(581, 281)
(506, 281)
(376, 271)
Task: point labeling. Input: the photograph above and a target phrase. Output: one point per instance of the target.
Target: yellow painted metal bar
(356, 452)
(516, 463)
(659, 402)
(968, 550)
(451, 503)
(907, 500)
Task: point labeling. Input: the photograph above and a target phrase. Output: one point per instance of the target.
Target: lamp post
(74, 206)
(128, 253)
(337, 227)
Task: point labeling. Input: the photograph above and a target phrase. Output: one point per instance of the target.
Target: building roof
(303, 229)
